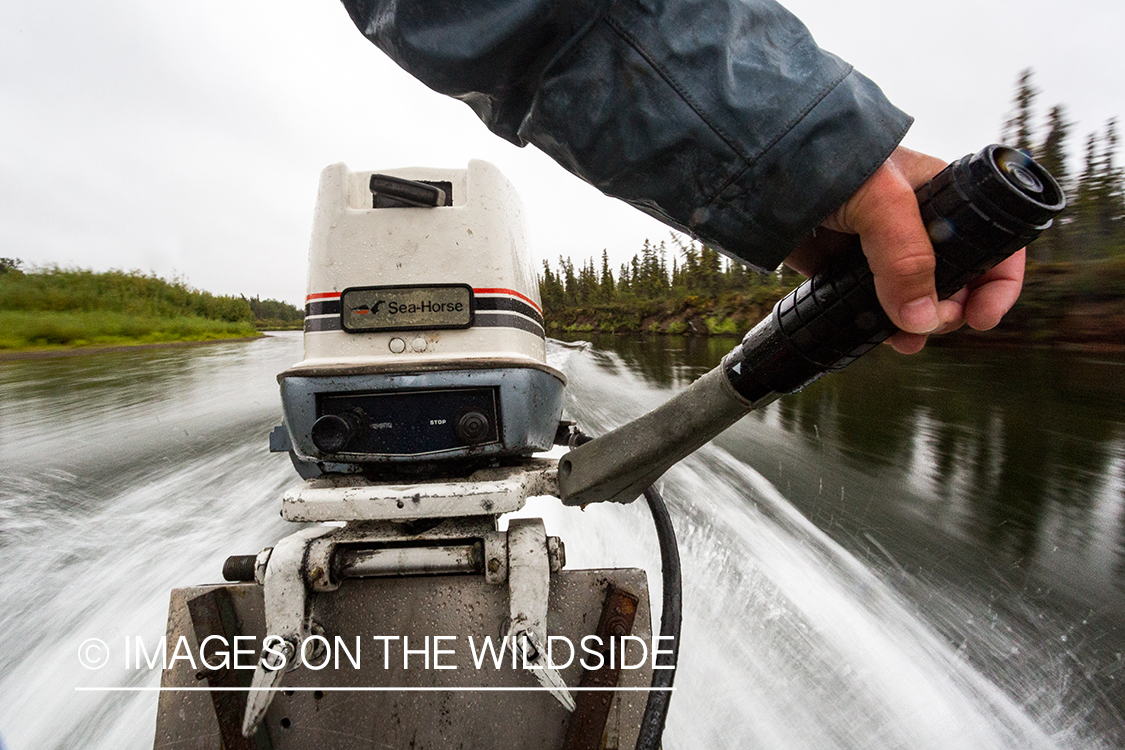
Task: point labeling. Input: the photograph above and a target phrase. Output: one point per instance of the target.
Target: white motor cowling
(424, 336)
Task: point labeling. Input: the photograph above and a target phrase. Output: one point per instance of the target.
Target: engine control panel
(406, 423)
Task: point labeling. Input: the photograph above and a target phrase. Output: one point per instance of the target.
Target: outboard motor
(405, 616)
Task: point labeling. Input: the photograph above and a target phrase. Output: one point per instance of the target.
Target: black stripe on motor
(487, 320)
(323, 307)
(509, 304)
(508, 321)
(323, 324)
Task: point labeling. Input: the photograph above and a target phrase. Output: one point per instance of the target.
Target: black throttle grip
(978, 211)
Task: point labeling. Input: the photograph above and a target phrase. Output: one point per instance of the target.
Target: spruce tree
(606, 287)
(1019, 130)
(1087, 199)
(709, 270)
(1052, 246)
(569, 281)
(551, 291)
(1111, 208)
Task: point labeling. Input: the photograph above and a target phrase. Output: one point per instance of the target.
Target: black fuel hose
(671, 616)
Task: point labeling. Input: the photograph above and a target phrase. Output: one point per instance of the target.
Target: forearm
(721, 118)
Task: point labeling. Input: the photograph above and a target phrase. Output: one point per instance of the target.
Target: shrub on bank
(55, 307)
(44, 330)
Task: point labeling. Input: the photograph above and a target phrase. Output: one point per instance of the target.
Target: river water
(920, 552)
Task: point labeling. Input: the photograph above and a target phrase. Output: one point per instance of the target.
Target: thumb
(884, 212)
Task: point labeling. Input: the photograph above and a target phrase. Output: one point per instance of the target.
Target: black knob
(332, 432)
(240, 568)
(472, 426)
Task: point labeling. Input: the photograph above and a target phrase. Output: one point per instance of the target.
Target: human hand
(884, 213)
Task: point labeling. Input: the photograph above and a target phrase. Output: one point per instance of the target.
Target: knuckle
(918, 264)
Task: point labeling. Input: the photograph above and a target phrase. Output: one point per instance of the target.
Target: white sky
(187, 137)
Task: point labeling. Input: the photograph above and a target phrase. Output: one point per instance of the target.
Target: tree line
(1093, 225)
(656, 273)
(272, 313)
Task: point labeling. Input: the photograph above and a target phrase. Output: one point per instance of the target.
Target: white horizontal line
(525, 316)
(368, 689)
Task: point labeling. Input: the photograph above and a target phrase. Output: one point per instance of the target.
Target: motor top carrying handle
(978, 211)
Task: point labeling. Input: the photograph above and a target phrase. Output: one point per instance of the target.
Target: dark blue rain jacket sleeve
(721, 118)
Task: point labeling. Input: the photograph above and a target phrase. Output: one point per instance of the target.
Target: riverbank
(54, 311)
(10, 356)
(22, 330)
(1072, 305)
(729, 314)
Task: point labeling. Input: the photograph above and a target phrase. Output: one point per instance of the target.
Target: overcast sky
(187, 137)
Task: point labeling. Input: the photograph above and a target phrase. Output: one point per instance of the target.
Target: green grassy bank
(57, 308)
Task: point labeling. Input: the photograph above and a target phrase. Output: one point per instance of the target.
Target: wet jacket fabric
(721, 118)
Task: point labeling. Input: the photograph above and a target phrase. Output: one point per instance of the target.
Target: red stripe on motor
(322, 295)
(513, 293)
